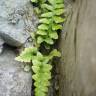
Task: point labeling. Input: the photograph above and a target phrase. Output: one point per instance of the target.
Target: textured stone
(13, 80)
(16, 21)
(1, 45)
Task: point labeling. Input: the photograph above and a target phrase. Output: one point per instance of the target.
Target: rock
(13, 80)
(16, 21)
(12, 36)
(1, 49)
(1, 41)
(1, 45)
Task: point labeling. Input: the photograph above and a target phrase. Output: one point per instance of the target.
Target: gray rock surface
(13, 80)
(16, 21)
(1, 45)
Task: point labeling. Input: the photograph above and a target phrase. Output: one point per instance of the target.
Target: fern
(50, 23)
(27, 55)
(39, 3)
(41, 68)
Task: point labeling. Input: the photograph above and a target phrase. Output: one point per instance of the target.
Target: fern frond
(42, 76)
(27, 54)
(34, 1)
(50, 21)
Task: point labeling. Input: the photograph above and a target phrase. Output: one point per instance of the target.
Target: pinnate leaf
(51, 1)
(47, 6)
(59, 1)
(49, 41)
(35, 69)
(34, 1)
(40, 39)
(54, 53)
(58, 19)
(57, 27)
(41, 32)
(47, 14)
(43, 27)
(47, 67)
(57, 6)
(53, 35)
(59, 11)
(27, 54)
(44, 20)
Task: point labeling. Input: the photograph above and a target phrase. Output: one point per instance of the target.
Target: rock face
(78, 47)
(16, 22)
(13, 80)
(16, 17)
(1, 45)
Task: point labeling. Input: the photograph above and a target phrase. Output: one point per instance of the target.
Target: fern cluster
(50, 23)
(41, 67)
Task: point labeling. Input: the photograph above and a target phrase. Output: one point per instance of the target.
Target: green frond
(47, 14)
(34, 1)
(40, 39)
(43, 27)
(51, 1)
(44, 20)
(57, 6)
(56, 27)
(35, 69)
(53, 35)
(59, 11)
(27, 54)
(47, 6)
(58, 19)
(36, 62)
(41, 32)
(59, 1)
(50, 22)
(40, 57)
(49, 41)
(45, 83)
(46, 67)
(54, 53)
